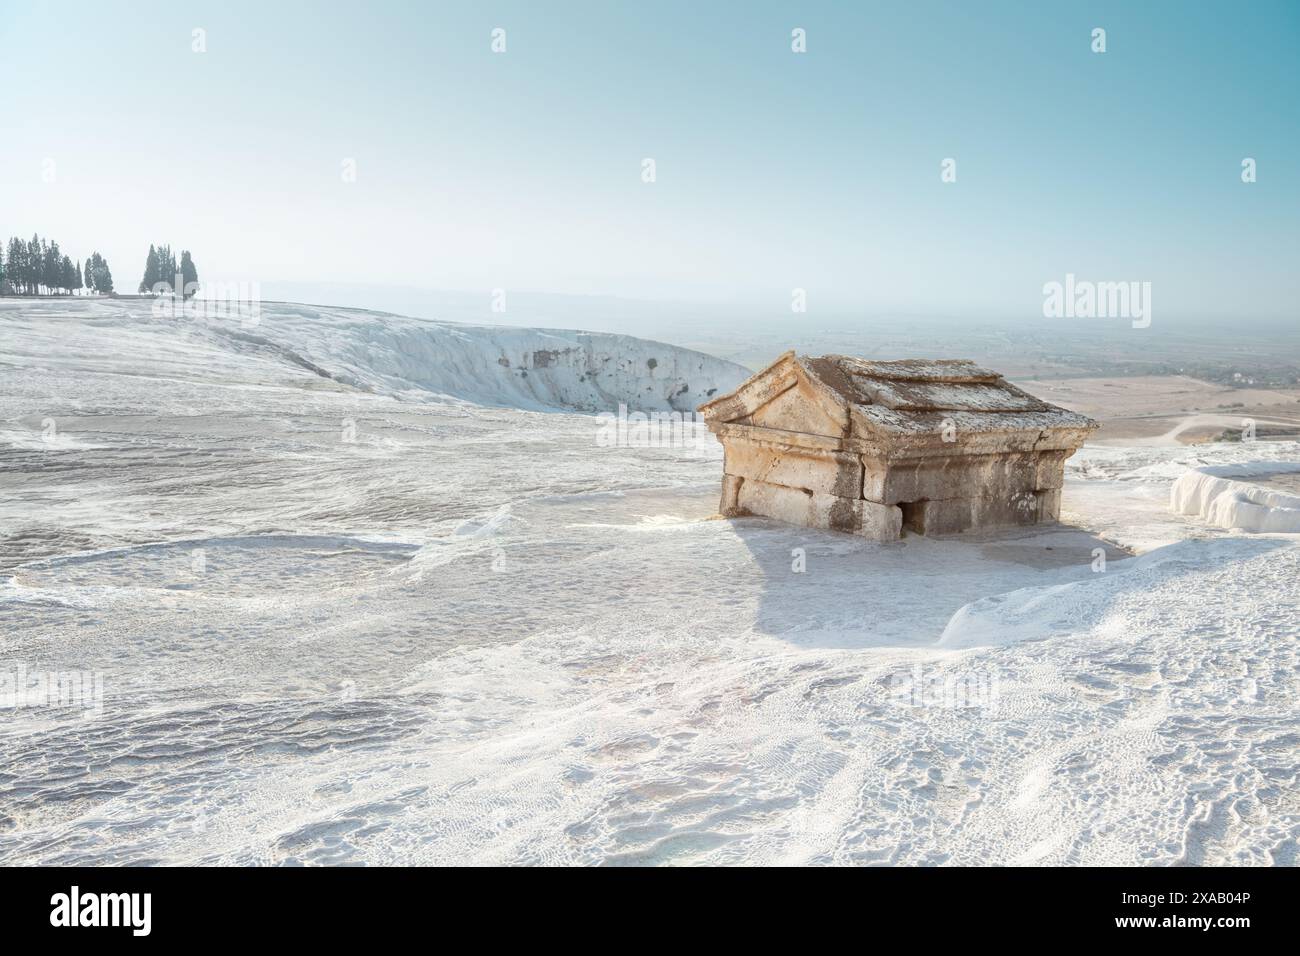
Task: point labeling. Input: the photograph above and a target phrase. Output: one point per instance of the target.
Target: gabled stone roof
(909, 398)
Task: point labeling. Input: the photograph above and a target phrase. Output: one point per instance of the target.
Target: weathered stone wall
(865, 495)
(954, 515)
(832, 473)
(962, 476)
(810, 509)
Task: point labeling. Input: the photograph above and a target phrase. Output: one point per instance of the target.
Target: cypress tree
(167, 265)
(151, 271)
(189, 274)
(31, 260)
(35, 265)
(101, 277)
(15, 260)
(18, 264)
(52, 268)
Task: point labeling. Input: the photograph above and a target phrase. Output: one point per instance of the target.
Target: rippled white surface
(473, 635)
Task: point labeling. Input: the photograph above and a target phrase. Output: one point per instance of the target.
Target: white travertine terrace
(1228, 496)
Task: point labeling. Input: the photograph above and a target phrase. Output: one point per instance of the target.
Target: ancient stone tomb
(936, 446)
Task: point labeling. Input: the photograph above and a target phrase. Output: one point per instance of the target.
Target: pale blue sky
(775, 170)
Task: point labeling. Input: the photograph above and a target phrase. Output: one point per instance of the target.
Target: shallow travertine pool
(1242, 496)
(1288, 482)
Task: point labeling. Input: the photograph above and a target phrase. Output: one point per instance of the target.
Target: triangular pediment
(786, 396)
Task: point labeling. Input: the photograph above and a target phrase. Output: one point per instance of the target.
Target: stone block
(816, 510)
(828, 473)
(975, 476)
(729, 505)
(955, 515)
